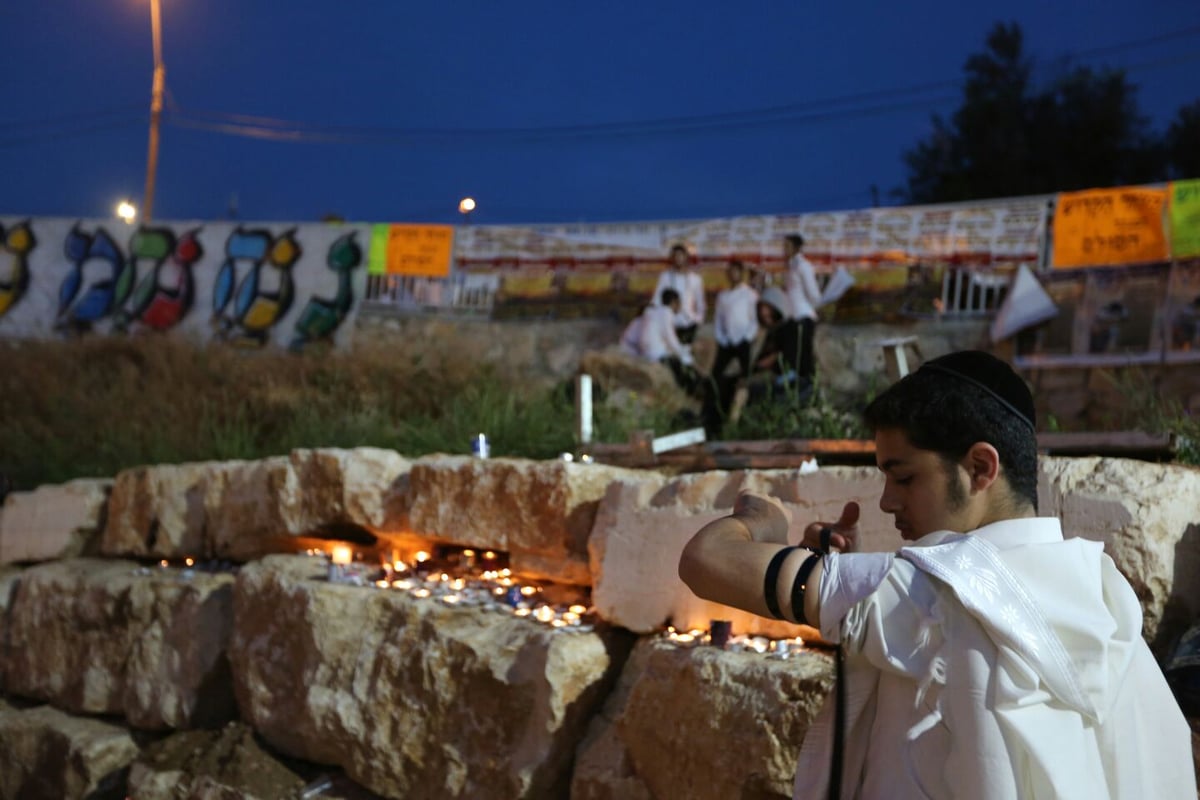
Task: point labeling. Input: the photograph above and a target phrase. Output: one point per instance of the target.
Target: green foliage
(1083, 128)
(787, 414)
(1148, 410)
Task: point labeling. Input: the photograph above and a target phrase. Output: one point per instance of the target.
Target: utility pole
(156, 104)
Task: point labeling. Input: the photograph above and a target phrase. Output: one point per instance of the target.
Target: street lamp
(127, 211)
(465, 207)
(156, 103)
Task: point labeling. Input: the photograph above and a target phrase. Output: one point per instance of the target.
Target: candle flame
(342, 555)
(422, 557)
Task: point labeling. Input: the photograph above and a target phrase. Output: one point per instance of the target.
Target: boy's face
(734, 273)
(921, 491)
(680, 258)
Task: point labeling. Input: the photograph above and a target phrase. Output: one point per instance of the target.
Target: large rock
(701, 723)
(53, 521)
(225, 763)
(9, 576)
(413, 698)
(49, 755)
(1147, 516)
(108, 637)
(540, 512)
(365, 487)
(643, 525)
(161, 511)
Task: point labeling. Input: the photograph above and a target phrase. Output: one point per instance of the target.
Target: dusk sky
(542, 111)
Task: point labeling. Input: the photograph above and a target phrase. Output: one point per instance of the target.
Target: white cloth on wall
(1007, 663)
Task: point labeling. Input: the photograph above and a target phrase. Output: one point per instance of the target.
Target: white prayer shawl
(1007, 663)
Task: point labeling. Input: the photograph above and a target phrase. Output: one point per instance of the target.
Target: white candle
(342, 555)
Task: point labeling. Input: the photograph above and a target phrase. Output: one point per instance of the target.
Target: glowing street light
(466, 206)
(127, 211)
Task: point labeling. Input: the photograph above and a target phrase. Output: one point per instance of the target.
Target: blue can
(480, 447)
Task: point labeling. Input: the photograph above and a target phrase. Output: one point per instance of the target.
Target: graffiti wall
(247, 284)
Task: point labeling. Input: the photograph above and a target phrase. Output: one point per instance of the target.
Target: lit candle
(342, 555)
(163, 563)
(189, 561)
(529, 591)
(558, 623)
(422, 557)
(522, 612)
(489, 555)
(421, 592)
(451, 599)
(544, 613)
(382, 584)
(577, 609)
(468, 558)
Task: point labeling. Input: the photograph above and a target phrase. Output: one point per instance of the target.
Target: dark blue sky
(385, 68)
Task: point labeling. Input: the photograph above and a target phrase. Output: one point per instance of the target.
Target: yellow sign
(403, 249)
(1109, 227)
(1185, 219)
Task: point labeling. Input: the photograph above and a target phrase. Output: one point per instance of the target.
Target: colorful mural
(250, 285)
(16, 241)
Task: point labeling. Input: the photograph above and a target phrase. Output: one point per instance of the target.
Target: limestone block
(540, 512)
(701, 723)
(161, 511)
(228, 764)
(1148, 518)
(643, 525)
(364, 486)
(49, 755)
(58, 521)
(107, 637)
(8, 584)
(244, 508)
(414, 698)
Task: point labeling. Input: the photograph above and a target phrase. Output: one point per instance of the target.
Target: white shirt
(999, 665)
(800, 283)
(657, 338)
(736, 317)
(690, 287)
(632, 335)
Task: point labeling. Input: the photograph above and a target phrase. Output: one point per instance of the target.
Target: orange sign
(1109, 227)
(403, 249)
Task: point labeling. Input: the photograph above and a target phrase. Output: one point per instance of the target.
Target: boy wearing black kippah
(990, 658)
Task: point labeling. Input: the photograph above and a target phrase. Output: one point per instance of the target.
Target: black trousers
(686, 334)
(808, 365)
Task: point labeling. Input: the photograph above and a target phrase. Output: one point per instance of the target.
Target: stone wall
(204, 635)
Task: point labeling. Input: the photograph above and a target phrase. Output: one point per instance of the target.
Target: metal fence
(460, 293)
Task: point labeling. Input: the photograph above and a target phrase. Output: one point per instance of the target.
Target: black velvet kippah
(992, 376)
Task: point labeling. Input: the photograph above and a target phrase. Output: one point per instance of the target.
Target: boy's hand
(843, 533)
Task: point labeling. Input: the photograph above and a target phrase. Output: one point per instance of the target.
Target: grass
(93, 407)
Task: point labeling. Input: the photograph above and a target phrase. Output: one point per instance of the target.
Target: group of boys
(780, 363)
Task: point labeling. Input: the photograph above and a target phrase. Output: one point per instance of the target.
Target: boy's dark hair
(681, 247)
(953, 402)
(796, 240)
(668, 297)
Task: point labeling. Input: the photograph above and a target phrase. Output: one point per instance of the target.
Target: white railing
(467, 293)
(969, 293)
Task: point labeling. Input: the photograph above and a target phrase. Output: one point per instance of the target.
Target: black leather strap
(771, 581)
(799, 586)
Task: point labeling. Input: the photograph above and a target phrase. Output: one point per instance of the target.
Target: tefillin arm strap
(839, 698)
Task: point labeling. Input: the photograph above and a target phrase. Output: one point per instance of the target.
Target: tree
(1183, 142)
(1009, 139)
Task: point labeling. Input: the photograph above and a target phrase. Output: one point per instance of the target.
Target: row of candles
(718, 635)
(493, 588)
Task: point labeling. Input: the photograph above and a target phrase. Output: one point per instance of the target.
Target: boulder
(57, 521)
(110, 637)
(667, 730)
(1148, 519)
(8, 584)
(414, 698)
(228, 763)
(364, 486)
(244, 509)
(540, 512)
(161, 511)
(49, 755)
(643, 525)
